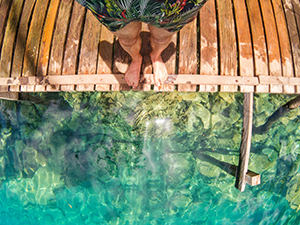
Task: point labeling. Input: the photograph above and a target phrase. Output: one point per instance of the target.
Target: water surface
(144, 158)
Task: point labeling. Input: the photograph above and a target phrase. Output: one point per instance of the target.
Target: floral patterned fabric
(169, 14)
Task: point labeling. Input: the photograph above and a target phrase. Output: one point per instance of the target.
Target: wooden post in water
(246, 143)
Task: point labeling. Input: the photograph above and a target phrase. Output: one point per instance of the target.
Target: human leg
(130, 40)
(160, 39)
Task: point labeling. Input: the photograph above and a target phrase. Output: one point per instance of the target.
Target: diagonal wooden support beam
(246, 143)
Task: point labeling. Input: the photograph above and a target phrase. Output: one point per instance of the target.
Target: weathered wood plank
(227, 42)
(110, 79)
(89, 49)
(169, 57)
(188, 62)
(246, 64)
(19, 52)
(208, 44)
(9, 38)
(284, 43)
(21, 38)
(246, 143)
(293, 35)
(272, 43)
(4, 11)
(119, 79)
(121, 62)
(42, 65)
(59, 37)
(105, 55)
(47, 38)
(73, 41)
(259, 44)
(145, 52)
(33, 39)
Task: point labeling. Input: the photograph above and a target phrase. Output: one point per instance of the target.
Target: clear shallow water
(139, 158)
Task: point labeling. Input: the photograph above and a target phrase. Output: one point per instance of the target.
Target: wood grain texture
(33, 41)
(259, 43)
(119, 79)
(111, 79)
(59, 37)
(295, 6)
(71, 50)
(34, 37)
(169, 57)
(188, 62)
(145, 52)
(21, 38)
(272, 43)
(208, 44)
(9, 38)
(246, 142)
(227, 42)
(89, 49)
(47, 35)
(293, 34)
(42, 65)
(246, 64)
(105, 55)
(284, 42)
(4, 12)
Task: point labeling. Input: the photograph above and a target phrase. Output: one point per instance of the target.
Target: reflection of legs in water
(130, 40)
(160, 39)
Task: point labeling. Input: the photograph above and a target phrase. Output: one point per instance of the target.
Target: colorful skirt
(171, 15)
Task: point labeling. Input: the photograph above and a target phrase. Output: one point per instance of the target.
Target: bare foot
(132, 75)
(159, 70)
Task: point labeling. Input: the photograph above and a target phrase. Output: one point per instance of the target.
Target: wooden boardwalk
(233, 46)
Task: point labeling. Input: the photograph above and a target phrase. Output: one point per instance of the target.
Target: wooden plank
(4, 11)
(17, 65)
(59, 40)
(145, 52)
(188, 63)
(208, 44)
(246, 142)
(89, 49)
(121, 62)
(33, 40)
(47, 38)
(296, 11)
(174, 80)
(105, 55)
(46, 41)
(227, 42)
(259, 44)
(272, 43)
(169, 57)
(246, 64)
(293, 35)
(284, 43)
(119, 78)
(9, 38)
(72, 43)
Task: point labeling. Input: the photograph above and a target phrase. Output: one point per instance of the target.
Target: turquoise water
(143, 158)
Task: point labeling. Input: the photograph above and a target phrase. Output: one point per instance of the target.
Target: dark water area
(144, 158)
